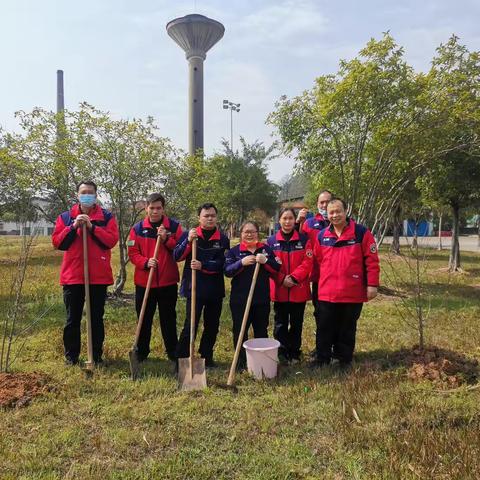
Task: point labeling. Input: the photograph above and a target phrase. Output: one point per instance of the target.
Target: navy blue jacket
(210, 281)
(242, 275)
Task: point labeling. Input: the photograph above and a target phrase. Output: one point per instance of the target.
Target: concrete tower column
(195, 34)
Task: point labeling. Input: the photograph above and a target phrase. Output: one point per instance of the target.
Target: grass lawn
(372, 422)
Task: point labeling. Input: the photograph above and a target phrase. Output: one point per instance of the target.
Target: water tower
(195, 34)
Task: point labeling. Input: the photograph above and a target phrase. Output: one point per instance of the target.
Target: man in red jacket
(102, 235)
(163, 293)
(346, 254)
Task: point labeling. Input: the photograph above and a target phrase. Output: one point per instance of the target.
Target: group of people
(327, 258)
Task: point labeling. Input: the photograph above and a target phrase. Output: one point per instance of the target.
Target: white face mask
(322, 212)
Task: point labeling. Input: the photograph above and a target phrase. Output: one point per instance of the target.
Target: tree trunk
(122, 273)
(440, 246)
(454, 261)
(397, 228)
(478, 240)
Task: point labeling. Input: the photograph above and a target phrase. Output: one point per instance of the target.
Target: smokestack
(195, 34)
(60, 98)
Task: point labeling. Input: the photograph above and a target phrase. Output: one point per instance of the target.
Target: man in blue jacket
(211, 247)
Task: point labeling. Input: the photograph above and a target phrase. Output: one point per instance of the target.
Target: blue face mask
(87, 199)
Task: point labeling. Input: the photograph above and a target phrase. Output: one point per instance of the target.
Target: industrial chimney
(195, 34)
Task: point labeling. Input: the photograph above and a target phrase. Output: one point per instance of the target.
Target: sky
(117, 56)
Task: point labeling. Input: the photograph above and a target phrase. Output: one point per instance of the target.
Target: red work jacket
(141, 247)
(100, 240)
(347, 264)
(295, 257)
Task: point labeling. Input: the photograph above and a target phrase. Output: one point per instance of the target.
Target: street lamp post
(233, 107)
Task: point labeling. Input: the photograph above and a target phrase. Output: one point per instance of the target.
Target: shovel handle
(146, 294)
(86, 277)
(193, 304)
(231, 376)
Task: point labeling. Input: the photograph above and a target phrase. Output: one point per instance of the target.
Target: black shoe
(283, 359)
(318, 364)
(209, 363)
(98, 362)
(172, 357)
(345, 366)
(70, 362)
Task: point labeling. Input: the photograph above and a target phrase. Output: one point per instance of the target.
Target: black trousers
(74, 299)
(336, 330)
(257, 318)
(212, 309)
(288, 327)
(166, 300)
(315, 298)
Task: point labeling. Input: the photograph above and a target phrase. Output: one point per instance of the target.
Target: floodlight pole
(234, 107)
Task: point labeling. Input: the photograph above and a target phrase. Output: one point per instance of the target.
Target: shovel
(191, 371)
(89, 364)
(133, 353)
(231, 376)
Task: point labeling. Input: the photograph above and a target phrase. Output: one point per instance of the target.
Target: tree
(355, 131)
(453, 177)
(236, 182)
(126, 158)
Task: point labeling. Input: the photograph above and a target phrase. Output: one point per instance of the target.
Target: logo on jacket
(216, 245)
(373, 247)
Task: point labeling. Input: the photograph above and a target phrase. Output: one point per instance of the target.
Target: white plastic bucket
(262, 357)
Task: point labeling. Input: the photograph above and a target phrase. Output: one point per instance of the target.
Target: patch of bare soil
(18, 389)
(444, 368)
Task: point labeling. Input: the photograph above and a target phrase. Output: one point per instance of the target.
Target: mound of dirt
(18, 389)
(443, 367)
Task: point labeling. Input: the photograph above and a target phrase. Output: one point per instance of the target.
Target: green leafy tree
(453, 176)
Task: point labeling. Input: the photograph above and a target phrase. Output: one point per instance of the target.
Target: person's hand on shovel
(162, 233)
(82, 219)
(152, 263)
(261, 258)
(196, 265)
(192, 234)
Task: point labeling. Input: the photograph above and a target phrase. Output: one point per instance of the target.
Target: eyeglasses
(250, 232)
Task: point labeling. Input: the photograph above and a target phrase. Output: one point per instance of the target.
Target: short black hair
(325, 191)
(87, 182)
(341, 200)
(156, 197)
(287, 209)
(251, 222)
(206, 206)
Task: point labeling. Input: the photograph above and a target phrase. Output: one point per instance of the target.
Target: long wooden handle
(87, 298)
(231, 376)
(193, 303)
(147, 292)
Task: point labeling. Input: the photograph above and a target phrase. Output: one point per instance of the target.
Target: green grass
(301, 426)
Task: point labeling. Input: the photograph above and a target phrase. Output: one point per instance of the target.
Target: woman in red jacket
(290, 289)
(346, 255)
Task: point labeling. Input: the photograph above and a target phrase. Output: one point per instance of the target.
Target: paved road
(468, 243)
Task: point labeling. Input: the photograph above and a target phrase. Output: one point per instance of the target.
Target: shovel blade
(134, 364)
(198, 381)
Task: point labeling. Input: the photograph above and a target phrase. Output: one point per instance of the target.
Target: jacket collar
(165, 222)
(215, 236)
(320, 217)
(279, 236)
(347, 234)
(96, 212)
(244, 247)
